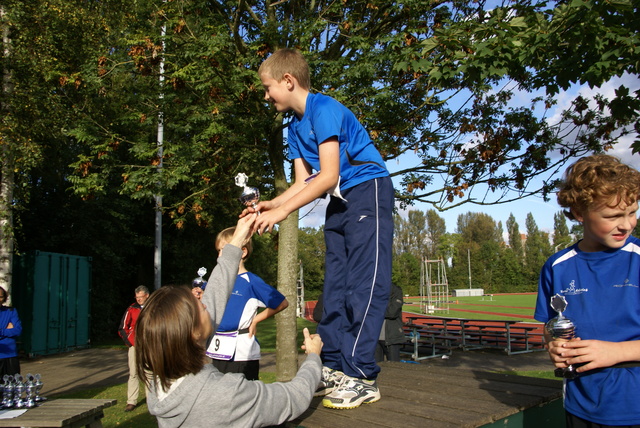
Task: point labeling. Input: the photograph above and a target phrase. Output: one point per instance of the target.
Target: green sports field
(517, 307)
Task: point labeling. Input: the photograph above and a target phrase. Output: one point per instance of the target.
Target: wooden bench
(68, 413)
(480, 334)
(430, 338)
(422, 344)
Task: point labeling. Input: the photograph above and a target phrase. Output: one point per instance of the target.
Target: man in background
(127, 332)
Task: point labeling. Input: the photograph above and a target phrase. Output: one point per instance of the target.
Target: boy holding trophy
(594, 286)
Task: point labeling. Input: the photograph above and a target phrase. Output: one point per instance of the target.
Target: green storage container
(52, 295)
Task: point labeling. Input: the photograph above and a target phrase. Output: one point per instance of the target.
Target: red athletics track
(496, 313)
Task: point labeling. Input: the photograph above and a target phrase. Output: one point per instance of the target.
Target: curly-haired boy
(599, 277)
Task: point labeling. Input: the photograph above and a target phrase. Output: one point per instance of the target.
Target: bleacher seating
(429, 336)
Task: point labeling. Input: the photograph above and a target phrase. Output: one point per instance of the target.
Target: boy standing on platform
(599, 278)
(325, 137)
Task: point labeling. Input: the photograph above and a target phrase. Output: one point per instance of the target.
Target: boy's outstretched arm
(266, 313)
(300, 193)
(224, 274)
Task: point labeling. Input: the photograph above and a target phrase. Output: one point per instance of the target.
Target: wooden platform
(419, 395)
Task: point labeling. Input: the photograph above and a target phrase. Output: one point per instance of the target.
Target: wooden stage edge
(420, 395)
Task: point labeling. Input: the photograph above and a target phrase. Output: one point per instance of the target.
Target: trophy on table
(30, 387)
(250, 195)
(18, 391)
(38, 386)
(7, 392)
(564, 329)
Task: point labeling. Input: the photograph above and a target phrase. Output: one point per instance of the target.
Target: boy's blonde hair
(598, 179)
(287, 61)
(227, 234)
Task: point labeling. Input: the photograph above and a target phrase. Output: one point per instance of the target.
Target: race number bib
(223, 345)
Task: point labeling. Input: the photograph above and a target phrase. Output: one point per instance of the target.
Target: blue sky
(543, 212)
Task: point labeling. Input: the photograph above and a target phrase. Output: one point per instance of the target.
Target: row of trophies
(21, 393)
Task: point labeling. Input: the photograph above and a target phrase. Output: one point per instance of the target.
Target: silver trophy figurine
(18, 401)
(200, 282)
(30, 387)
(250, 195)
(38, 385)
(7, 393)
(564, 329)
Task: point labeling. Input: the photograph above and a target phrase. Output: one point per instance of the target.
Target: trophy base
(566, 373)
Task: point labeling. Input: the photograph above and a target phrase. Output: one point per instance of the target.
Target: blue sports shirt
(602, 290)
(249, 293)
(324, 117)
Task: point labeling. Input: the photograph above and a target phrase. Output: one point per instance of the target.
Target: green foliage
(396, 66)
(436, 230)
(561, 236)
(478, 257)
(526, 46)
(410, 234)
(537, 249)
(406, 273)
(478, 227)
(311, 251)
(264, 259)
(515, 239)
(91, 79)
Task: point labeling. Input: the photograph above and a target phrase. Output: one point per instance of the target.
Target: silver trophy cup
(562, 328)
(18, 392)
(7, 393)
(38, 387)
(250, 195)
(200, 281)
(30, 387)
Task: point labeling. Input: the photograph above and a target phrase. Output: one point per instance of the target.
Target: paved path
(77, 370)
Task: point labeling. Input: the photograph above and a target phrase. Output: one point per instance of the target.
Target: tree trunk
(286, 326)
(7, 171)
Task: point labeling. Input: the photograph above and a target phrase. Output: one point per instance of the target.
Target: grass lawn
(267, 333)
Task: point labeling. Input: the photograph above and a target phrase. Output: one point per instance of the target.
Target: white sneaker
(351, 393)
(328, 382)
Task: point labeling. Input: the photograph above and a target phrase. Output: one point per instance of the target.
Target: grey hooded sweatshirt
(212, 399)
